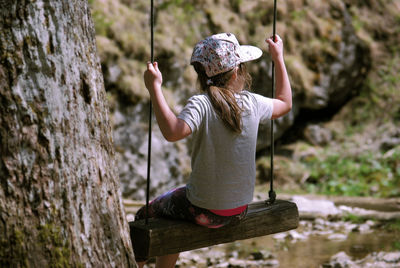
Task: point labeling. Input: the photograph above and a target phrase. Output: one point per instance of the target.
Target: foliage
(394, 228)
(366, 174)
(396, 245)
(353, 218)
(102, 23)
(340, 168)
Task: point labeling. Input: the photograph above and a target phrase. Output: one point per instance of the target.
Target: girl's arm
(283, 97)
(172, 128)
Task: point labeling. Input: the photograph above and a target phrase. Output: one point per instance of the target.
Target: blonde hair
(223, 98)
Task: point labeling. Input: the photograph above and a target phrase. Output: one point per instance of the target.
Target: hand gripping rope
(271, 193)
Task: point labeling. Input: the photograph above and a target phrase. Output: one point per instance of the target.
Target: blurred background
(340, 144)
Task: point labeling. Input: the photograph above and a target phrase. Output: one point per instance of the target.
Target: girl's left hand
(152, 76)
(275, 48)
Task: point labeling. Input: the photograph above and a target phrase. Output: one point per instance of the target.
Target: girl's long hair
(223, 98)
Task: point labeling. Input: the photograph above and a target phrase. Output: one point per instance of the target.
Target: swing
(160, 236)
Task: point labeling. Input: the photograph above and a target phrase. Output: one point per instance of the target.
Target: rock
(326, 60)
(340, 260)
(170, 161)
(317, 135)
(296, 236)
(375, 260)
(321, 208)
(257, 255)
(237, 263)
(391, 257)
(389, 143)
(337, 237)
(280, 236)
(271, 263)
(364, 228)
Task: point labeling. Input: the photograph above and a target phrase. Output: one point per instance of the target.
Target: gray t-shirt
(223, 162)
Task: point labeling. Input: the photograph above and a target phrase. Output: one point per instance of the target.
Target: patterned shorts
(175, 205)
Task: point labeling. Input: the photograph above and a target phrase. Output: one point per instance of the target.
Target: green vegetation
(187, 6)
(394, 228)
(355, 162)
(58, 251)
(297, 15)
(367, 174)
(49, 241)
(12, 250)
(353, 218)
(102, 23)
(396, 245)
(341, 168)
(379, 101)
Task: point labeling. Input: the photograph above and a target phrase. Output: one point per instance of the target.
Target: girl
(224, 122)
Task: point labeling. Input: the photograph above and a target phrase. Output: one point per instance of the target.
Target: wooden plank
(163, 236)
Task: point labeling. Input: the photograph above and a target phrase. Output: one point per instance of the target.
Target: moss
(298, 15)
(57, 250)
(102, 23)
(12, 250)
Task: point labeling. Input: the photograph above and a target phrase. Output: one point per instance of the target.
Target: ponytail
(222, 98)
(226, 106)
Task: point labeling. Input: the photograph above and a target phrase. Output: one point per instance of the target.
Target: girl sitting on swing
(224, 123)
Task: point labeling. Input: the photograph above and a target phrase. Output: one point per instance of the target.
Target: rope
(150, 114)
(271, 193)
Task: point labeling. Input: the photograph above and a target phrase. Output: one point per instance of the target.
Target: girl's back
(223, 161)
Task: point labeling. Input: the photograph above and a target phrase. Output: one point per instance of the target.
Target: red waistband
(229, 212)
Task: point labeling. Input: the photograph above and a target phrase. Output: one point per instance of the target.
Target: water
(318, 249)
(309, 246)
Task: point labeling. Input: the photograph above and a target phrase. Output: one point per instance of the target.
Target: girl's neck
(236, 83)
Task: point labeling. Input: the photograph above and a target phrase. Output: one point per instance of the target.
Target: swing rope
(150, 114)
(271, 193)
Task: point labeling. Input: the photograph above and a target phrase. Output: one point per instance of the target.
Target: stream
(302, 248)
(322, 239)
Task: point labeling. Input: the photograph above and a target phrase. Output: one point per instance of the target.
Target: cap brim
(249, 53)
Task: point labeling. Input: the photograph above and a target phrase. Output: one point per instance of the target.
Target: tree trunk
(60, 202)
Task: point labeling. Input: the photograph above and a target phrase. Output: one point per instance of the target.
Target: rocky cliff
(330, 48)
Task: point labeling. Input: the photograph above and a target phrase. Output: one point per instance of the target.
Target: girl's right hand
(275, 48)
(152, 76)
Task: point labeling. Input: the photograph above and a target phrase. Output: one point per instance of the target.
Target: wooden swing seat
(164, 236)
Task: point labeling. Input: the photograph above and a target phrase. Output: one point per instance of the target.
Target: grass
(353, 218)
(367, 174)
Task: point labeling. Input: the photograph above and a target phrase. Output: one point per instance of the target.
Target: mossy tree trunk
(60, 202)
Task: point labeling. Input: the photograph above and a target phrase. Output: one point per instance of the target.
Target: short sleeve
(265, 108)
(194, 112)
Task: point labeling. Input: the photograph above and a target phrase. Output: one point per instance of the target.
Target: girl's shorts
(174, 204)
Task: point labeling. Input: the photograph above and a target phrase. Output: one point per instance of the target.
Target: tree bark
(60, 201)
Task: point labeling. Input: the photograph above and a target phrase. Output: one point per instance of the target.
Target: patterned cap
(222, 52)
